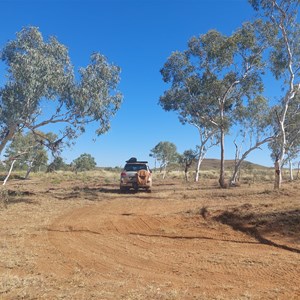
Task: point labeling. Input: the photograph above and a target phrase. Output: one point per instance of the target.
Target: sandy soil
(75, 239)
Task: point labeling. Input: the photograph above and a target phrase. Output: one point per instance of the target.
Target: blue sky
(138, 36)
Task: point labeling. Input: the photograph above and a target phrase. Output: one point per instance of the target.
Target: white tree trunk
(238, 162)
(202, 153)
(29, 169)
(207, 141)
(164, 172)
(291, 170)
(9, 172)
(278, 175)
(290, 95)
(222, 167)
(200, 160)
(298, 171)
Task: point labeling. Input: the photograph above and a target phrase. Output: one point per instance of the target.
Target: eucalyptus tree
(187, 98)
(254, 120)
(27, 151)
(164, 153)
(34, 153)
(292, 130)
(298, 170)
(84, 162)
(42, 89)
(57, 164)
(292, 134)
(284, 63)
(212, 76)
(186, 160)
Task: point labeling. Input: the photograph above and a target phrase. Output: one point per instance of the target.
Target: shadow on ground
(286, 223)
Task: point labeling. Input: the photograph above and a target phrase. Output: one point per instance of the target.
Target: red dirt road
(168, 244)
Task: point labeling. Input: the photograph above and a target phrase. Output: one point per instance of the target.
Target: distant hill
(211, 164)
(207, 164)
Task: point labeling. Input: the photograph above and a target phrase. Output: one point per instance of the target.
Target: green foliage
(41, 72)
(165, 153)
(2, 167)
(187, 158)
(285, 65)
(27, 150)
(255, 115)
(84, 162)
(292, 132)
(285, 36)
(213, 78)
(213, 74)
(57, 164)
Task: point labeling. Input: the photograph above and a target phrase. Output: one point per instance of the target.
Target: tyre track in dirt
(137, 241)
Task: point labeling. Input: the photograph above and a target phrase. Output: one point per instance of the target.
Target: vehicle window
(135, 167)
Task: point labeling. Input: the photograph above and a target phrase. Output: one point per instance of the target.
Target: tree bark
(8, 136)
(238, 162)
(164, 172)
(186, 174)
(291, 170)
(222, 168)
(298, 171)
(206, 142)
(290, 95)
(234, 178)
(200, 159)
(278, 175)
(9, 172)
(29, 170)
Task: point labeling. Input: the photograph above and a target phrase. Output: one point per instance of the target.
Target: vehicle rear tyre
(123, 189)
(136, 187)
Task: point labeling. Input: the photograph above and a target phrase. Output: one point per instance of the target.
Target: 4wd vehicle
(136, 174)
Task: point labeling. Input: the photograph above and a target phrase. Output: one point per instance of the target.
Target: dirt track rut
(130, 243)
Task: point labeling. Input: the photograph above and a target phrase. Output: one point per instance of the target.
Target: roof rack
(134, 160)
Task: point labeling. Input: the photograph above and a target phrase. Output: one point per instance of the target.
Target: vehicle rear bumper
(134, 184)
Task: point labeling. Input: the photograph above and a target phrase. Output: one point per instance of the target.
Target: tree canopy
(165, 153)
(213, 77)
(285, 65)
(57, 164)
(84, 162)
(41, 72)
(27, 150)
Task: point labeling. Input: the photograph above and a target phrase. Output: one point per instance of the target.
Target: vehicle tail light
(123, 174)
